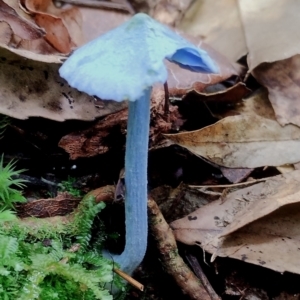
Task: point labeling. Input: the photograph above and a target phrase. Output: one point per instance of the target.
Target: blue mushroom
(123, 64)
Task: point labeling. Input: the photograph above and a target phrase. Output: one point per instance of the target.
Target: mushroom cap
(124, 62)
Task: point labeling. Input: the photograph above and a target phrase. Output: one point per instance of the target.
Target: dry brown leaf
(56, 34)
(243, 141)
(274, 52)
(271, 29)
(6, 33)
(257, 104)
(15, 5)
(21, 32)
(263, 199)
(32, 88)
(219, 24)
(47, 58)
(72, 19)
(232, 94)
(282, 80)
(21, 27)
(258, 224)
(286, 168)
(96, 22)
(56, 23)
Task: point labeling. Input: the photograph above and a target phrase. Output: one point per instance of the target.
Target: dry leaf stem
(229, 185)
(199, 272)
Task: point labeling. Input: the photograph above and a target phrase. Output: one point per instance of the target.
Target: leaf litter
(252, 224)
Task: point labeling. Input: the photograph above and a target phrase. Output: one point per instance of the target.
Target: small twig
(224, 194)
(172, 261)
(33, 181)
(229, 185)
(48, 182)
(167, 102)
(199, 272)
(129, 279)
(100, 4)
(204, 191)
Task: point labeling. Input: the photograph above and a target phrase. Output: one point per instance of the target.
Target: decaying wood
(43, 209)
(61, 205)
(110, 132)
(129, 279)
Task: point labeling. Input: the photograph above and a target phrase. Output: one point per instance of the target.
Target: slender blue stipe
(136, 160)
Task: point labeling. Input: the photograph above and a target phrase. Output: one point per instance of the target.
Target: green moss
(51, 258)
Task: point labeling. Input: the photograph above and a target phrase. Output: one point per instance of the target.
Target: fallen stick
(172, 261)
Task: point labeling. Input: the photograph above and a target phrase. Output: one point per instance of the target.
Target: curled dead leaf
(33, 88)
(281, 78)
(247, 141)
(253, 224)
(232, 94)
(56, 23)
(271, 30)
(18, 32)
(20, 26)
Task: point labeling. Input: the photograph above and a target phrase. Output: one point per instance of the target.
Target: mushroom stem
(136, 160)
